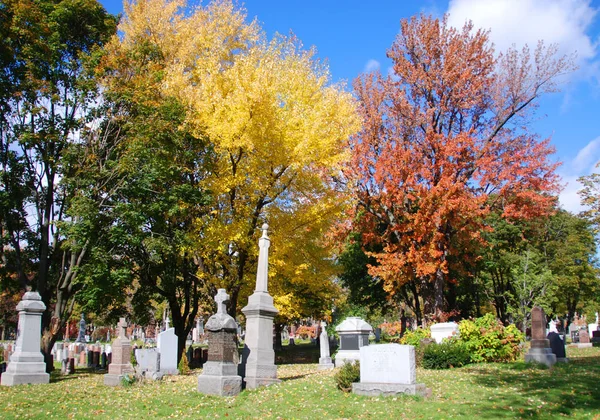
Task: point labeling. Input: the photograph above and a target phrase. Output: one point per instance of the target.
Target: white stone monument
(388, 369)
(259, 356)
(26, 365)
(325, 362)
(354, 334)
(444, 330)
(167, 347)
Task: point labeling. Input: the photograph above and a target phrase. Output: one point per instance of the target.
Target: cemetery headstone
(540, 350)
(558, 346)
(388, 369)
(259, 356)
(148, 363)
(121, 357)
(444, 330)
(167, 347)
(584, 337)
(220, 372)
(325, 359)
(354, 334)
(26, 364)
(81, 336)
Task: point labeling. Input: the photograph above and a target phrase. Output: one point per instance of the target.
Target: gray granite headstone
(219, 375)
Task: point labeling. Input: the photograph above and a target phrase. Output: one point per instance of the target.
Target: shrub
(414, 337)
(305, 332)
(390, 331)
(448, 354)
(183, 366)
(347, 375)
(128, 380)
(1, 354)
(487, 340)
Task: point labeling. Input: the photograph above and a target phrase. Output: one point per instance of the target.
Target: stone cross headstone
(121, 357)
(388, 369)
(220, 372)
(325, 359)
(259, 356)
(540, 350)
(26, 364)
(81, 335)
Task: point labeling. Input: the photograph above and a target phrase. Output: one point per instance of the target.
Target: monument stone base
(225, 386)
(346, 356)
(20, 378)
(541, 355)
(113, 380)
(254, 382)
(386, 389)
(325, 363)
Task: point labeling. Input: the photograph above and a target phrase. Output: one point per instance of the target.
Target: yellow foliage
(278, 130)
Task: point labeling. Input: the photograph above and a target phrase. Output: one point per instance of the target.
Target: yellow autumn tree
(277, 132)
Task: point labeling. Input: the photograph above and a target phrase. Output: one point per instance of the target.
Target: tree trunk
(438, 291)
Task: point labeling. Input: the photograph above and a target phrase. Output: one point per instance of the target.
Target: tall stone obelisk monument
(259, 355)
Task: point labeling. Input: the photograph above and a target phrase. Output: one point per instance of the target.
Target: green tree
(46, 94)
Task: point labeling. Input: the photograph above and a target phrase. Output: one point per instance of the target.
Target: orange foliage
(444, 142)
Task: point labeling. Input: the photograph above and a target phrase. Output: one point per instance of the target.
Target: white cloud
(519, 22)
(584, 163)
(371, 66)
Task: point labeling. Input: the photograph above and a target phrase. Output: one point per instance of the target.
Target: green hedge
(448, 354)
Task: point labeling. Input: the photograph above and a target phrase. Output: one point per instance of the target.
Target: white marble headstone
(388, 363)
(444, 330)
(167, 347)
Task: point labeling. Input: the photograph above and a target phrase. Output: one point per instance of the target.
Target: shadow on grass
(298, 354)
(57, 376)
(300, 375)
(542, 392)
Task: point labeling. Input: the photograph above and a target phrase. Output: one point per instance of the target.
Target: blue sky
(353, 37)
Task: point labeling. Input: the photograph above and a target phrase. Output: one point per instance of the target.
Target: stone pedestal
(540, 350)
(220, 373)
(259, 356)
(26, 365)
(121, 358)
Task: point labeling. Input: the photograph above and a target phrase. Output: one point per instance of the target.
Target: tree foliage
(445, 142)
(222, 130)
(45, 95)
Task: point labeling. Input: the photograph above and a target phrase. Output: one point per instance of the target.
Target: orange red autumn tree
(444, 142)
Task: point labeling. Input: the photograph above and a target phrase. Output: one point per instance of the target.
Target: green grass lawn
(486, 391)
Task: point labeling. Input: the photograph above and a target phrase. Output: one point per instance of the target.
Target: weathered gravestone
(219, 374)
(148, 363)
(258, 366)
(354, 334)
(584, 337)
(558, 346)
(540, 350)
(388, 369)
(26, 364)
(325, 359)
(167, 346)
(121, 357)
(444, 330)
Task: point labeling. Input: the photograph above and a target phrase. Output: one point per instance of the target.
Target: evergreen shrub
(448, 354)
(347, 375)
